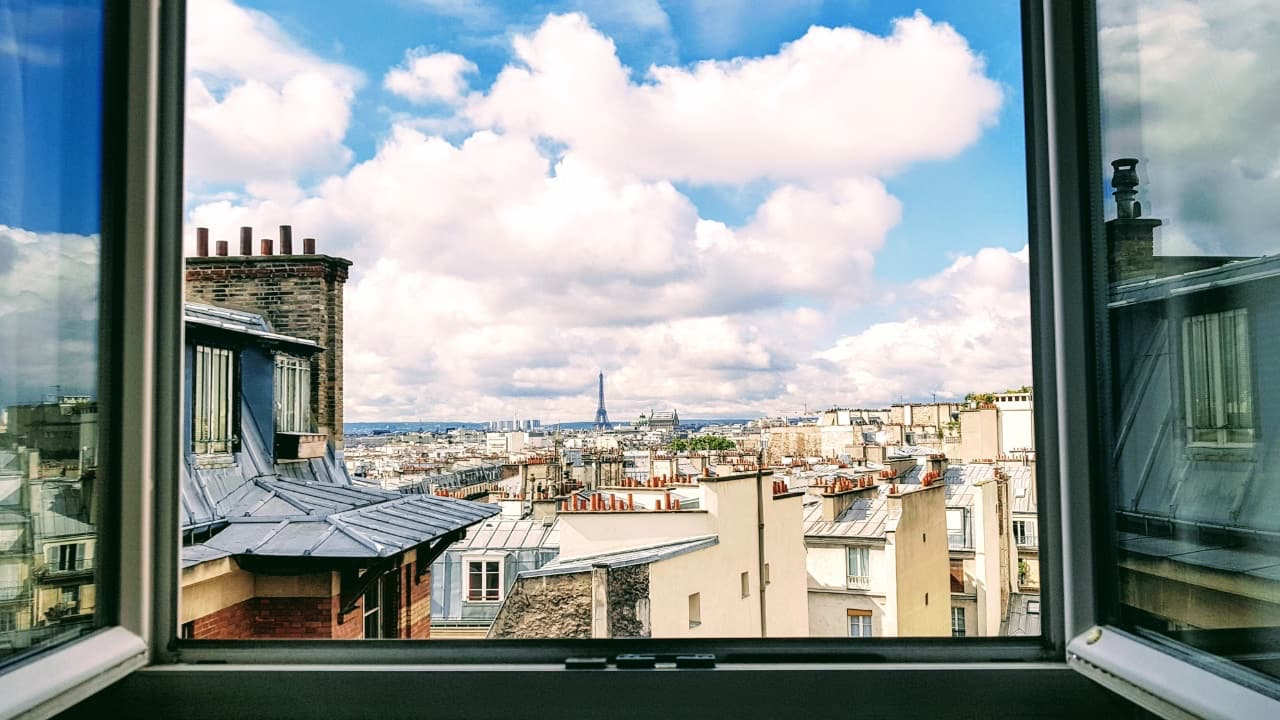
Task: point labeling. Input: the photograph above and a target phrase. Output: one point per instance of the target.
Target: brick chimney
(299, 295)
(1130, 237)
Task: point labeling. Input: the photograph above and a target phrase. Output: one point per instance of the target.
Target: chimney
(286, 239)
(202, 242)
(222, 248)
(297, 295)
(1130, 237)
(308, 246)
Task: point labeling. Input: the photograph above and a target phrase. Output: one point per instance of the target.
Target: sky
(729, 208)
(50, 177)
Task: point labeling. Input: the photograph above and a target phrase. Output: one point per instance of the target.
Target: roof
(1237, 560)
(244, 323)
(1225, 275)
(866, 517)
(623, 558)
(319, 520)
(1022, 488)
(1024, 616)
(509, 534)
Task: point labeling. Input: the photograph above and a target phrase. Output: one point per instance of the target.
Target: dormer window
(293, 394)
(213, 411)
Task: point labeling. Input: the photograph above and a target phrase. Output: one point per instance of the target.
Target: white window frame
(860, 626)
(958, 625)
(1027, 537)
(269, 678)
(501, 590)
(213, 400)
(857, 558)
(292, 388)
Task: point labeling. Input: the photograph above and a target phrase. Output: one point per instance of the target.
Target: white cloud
(1188, 88)
(834, 103)
(426, 76)
(259, 107)
(967, 329)
(498, 273)
(48, 314)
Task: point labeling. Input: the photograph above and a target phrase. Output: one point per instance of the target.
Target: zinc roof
(623, 558)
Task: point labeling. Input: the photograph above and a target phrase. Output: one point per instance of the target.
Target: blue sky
(728, 207)
(50, 121)
(952, 207)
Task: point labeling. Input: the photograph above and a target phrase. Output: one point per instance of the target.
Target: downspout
(764, 629)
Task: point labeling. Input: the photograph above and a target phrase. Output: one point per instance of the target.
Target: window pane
(50, 170)
(1190, 140)
(549, 282)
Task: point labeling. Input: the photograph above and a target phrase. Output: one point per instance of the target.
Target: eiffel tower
(602, 417)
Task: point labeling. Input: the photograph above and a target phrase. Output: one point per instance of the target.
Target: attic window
(213, 400)
(293, 394)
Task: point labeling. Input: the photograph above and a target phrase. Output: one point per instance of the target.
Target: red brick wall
(352, 627)
(415, 610)
(234, 622)
(291, 617)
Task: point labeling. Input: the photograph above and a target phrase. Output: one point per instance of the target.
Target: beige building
(876, 560)
(983, 556)
(666, 558)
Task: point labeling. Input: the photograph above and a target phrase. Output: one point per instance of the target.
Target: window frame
(292, 374)
(139, 369)
(1000, 674)
(467, 560)
(858, 582)
(226, 363)
(1183, 342)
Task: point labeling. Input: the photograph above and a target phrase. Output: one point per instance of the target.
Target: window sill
(755, 690)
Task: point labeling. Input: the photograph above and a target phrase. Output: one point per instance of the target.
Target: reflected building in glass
(1196, 394)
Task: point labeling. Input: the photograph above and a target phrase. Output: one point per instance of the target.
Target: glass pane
(1190, 142)
(572, 283)
(50, 168)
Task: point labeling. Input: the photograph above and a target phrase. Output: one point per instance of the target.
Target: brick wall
(300, 295)
(290, 617)
(415, 611)
(234, 622)
(352, 626)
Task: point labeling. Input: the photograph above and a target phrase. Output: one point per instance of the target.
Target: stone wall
(300, 295)
(552, 606)
(629, 602)
(793, 441)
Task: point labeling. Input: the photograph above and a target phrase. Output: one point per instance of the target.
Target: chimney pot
(286, 239)
(202, 242)
(246, 240)
(221, 248)
(308, 246)
(266, 246)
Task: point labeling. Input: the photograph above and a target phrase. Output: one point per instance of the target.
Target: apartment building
(706, 556)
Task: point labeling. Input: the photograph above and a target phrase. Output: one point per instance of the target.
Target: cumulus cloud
(425, 76)
(836, 102)
(1187, 88)
(48, 314)
(259, 107)
(499, 272)
(967, 328)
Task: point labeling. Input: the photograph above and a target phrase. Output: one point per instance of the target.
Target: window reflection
(50, 79)
(1194, 302)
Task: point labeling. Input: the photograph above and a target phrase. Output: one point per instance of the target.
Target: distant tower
(602, 417)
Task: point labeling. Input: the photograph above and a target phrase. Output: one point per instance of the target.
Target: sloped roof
(866, 517)
(328, 521)
(62, 512)
(623, 558)
(244, 323)
(510, 534)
